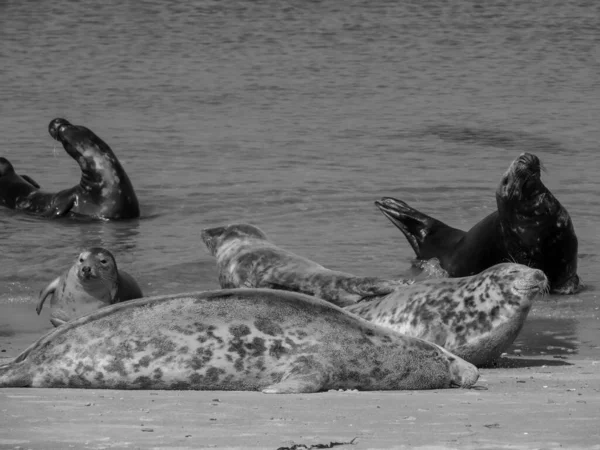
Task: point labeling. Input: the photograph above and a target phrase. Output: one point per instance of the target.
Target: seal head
(537, 228)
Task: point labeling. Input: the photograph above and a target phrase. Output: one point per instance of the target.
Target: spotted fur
(245, 258)
(476, 317)
(239, 339)
(92, 282)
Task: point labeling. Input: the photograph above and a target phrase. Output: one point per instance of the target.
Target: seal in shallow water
(103, 192)
(238, 339)
(245, 258)
(476, 317)
(530, 227)
(92, 282)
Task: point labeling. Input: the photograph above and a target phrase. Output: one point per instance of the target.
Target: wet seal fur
(476, 317)
(104, 191)
(92, 282)
(239, 339)
(245, 258)
(530, 227)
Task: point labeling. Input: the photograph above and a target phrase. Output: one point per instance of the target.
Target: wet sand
(526, 403)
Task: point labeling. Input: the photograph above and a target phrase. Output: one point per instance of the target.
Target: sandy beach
(539, 403)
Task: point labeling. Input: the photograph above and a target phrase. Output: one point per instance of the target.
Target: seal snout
(527, 164)
(87, 272)
(56, 127)
(533, 281)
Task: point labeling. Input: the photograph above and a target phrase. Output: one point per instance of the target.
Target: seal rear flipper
(44, 293)
(60, 206)
(30, 181)
(421, 230)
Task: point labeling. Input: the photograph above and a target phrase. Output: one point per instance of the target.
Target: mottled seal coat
(245, 258)
(530, 227)
(238, 339)
(104, 191)
(92, 282)
(476, 317)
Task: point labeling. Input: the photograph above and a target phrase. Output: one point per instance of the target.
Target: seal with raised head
(238, 339)
(476, 317)
(245, 258)
(104, 190)
(530, 227)
(92, 282)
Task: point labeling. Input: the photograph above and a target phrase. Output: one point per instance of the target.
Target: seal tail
(419, 229)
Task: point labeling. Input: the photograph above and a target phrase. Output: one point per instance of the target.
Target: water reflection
(547, 336)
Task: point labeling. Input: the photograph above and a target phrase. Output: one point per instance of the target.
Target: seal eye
(80, 260)
(103, 261)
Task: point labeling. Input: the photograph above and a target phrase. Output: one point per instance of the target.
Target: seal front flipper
(305, 377)
(427, 236)
(30, 181)
(370, 287)
(44, 293)
(62, 204)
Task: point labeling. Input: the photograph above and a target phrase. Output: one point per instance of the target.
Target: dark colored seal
(239, 339)
(246, 258)
(92, 282)
(104, 191)
(530, 227)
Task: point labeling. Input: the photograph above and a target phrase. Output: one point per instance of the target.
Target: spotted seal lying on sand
(103, 192)
(476, 317)
(530, 227)
(237, 339)
(246, 258)
(92, 282)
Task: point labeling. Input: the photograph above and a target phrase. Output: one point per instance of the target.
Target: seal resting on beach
(530, 227)
(92, 282)
(239, 339)
(476, 317)
(104, 191)
(245, 258)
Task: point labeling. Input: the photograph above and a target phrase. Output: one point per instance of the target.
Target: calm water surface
(296, 116)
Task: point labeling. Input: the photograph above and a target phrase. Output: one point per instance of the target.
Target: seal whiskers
(92, 282)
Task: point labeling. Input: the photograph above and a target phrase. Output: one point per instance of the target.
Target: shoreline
(525, 403)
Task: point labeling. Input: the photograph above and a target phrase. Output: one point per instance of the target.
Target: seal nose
(55, 127)
(86, 270)
(528, 161)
